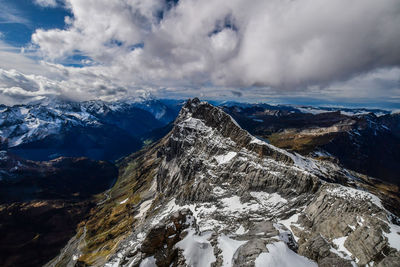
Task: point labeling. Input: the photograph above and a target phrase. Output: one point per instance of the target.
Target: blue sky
(288, 51)
(20, 18)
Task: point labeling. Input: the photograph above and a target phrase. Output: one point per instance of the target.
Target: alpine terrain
(100, 130)
(211, 194)
(42, 203)
(363, 140)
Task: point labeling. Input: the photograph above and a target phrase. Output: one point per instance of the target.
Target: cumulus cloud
(186, 46)
(235, 43)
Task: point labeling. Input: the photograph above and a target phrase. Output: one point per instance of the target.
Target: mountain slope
(95, 129)
(210, 193)
(358, 140)
(41, 204)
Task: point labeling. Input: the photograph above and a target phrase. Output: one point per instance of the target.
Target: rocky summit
(211, 194)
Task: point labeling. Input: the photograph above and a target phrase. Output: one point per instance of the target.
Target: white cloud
(18, 88)
(301, 47)
(277, 43)
(13, 58)
(46, 3)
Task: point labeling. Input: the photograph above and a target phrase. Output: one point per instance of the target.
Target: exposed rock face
(319, 249)
(366, 141)
(251, 204)
(161, 239)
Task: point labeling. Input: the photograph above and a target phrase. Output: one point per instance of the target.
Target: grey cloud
(237, 93)
(113, 91)
(15, 79)
(283, 44)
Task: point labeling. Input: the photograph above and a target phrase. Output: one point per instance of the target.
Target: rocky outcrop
(248, 253)
(319, 249)
(161, 239)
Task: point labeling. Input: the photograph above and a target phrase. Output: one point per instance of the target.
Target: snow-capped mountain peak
(210, 193)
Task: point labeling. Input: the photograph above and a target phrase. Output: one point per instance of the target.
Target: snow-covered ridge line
(186, 119)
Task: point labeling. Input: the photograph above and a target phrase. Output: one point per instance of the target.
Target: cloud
(24, 78)
(189, 47)
(56, 80)
(265, 43)
(12, 57)
(236, 93)
(46, 3)
(19, 87)
(378, 84)
(10, 14)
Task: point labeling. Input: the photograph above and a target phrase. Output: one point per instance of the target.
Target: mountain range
(228, 185)
(95, 129)
(211, 194)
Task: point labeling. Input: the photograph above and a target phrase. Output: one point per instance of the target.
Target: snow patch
(148, 262)
(228, 247)
(197, 250)
(218, 191)
(222, 159)
(232, 203)
(240, 230)
(124, 201)
(348, 192)
(268, 199)
(339, 242)
(144, 207)
(393, 236)
(288, 222)
(255, 140)
(280, 255)
(196, 124)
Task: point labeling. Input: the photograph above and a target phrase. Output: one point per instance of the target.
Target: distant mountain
(96, 129)
(211, 194)
(343, 110)
(367, 141)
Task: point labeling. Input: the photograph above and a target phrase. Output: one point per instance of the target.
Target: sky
(288, 51)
